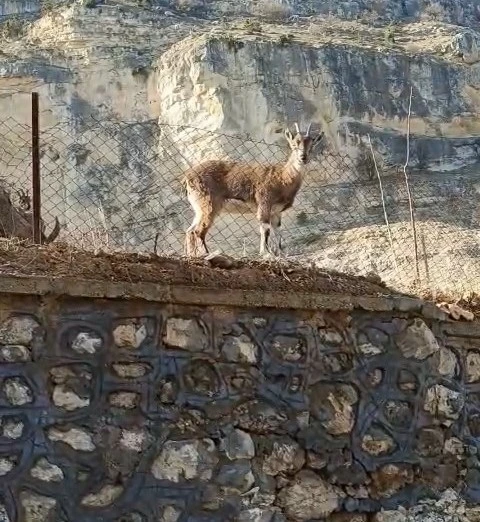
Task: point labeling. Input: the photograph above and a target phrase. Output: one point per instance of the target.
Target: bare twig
(390, 239)
(407, 183)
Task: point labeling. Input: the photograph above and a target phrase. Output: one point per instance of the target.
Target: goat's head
(302, 144)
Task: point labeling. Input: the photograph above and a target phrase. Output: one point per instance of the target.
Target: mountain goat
(266, 190)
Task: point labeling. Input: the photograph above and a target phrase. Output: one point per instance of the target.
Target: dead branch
(409, 193)
(390, 239)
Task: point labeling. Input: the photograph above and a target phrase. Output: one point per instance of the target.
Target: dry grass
(64, 261)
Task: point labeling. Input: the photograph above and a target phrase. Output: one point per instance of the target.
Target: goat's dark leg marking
(264, 217)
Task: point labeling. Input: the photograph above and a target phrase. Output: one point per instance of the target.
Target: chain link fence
(116, 186)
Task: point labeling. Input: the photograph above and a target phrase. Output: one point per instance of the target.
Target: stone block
(17, 391)
(239, 349)
(45, 471)
(87, 342)
(185, 334)
(307, 496)
(106, 496)
(186, 460)
(76, 438)
(19, 330)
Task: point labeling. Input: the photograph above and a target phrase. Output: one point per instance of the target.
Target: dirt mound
(61, 260)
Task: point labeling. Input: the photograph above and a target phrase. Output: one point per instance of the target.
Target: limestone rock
(131, 370)
(185, 460)
(307, 497)
(334, 406)
(6, 465)
(77, 438)
(377, 442)
(17, 391)
(218, 260)
(454, 446)
(124, 399)
(389, 479)
(37, 508)
(283, 456)
(472, 366)
(255, 515)
(239, 445)
(15, 353)
(441, 401)
(170, 514)
(133, 440)
(104, 497)
(240, 349)
(3, 514)
(466, 45)
(288, 348)
(87, 343)
(186, 334)
(130, 335)
(67, 399)
(19, 330)
(445, 362)
(12, 428)
(390, 516)
(417, 341)
(236, 476)
(46, 471)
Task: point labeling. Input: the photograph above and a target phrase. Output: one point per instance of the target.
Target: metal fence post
(36, 193)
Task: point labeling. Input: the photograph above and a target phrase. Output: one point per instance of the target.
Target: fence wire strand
(117, 186)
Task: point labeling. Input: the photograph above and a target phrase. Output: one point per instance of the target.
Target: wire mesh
(117, 185)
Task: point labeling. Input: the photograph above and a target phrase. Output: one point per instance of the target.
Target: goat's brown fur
(214, 185)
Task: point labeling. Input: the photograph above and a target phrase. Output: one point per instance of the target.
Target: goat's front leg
(264, 238)
(276, 222)
(264, 216)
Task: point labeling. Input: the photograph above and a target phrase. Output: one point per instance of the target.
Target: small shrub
(232, 43)
(389, 34)
(13, 28)
(285, 39)
(271, 10)
(433, 12)
(252, 25)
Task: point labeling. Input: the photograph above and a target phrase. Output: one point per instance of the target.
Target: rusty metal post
(36, 189)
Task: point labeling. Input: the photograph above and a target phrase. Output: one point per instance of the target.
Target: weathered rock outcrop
(123, 89)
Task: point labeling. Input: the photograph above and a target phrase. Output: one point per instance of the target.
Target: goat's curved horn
(308, 130)
(297, 127)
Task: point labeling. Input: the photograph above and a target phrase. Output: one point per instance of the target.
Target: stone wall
(139, 410)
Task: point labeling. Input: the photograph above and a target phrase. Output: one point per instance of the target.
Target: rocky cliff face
(130, 95)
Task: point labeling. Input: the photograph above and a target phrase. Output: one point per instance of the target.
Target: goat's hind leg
(191, 245)
(191, 242)
(201, 230)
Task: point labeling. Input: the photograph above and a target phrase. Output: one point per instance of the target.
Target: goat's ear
(288, 135)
